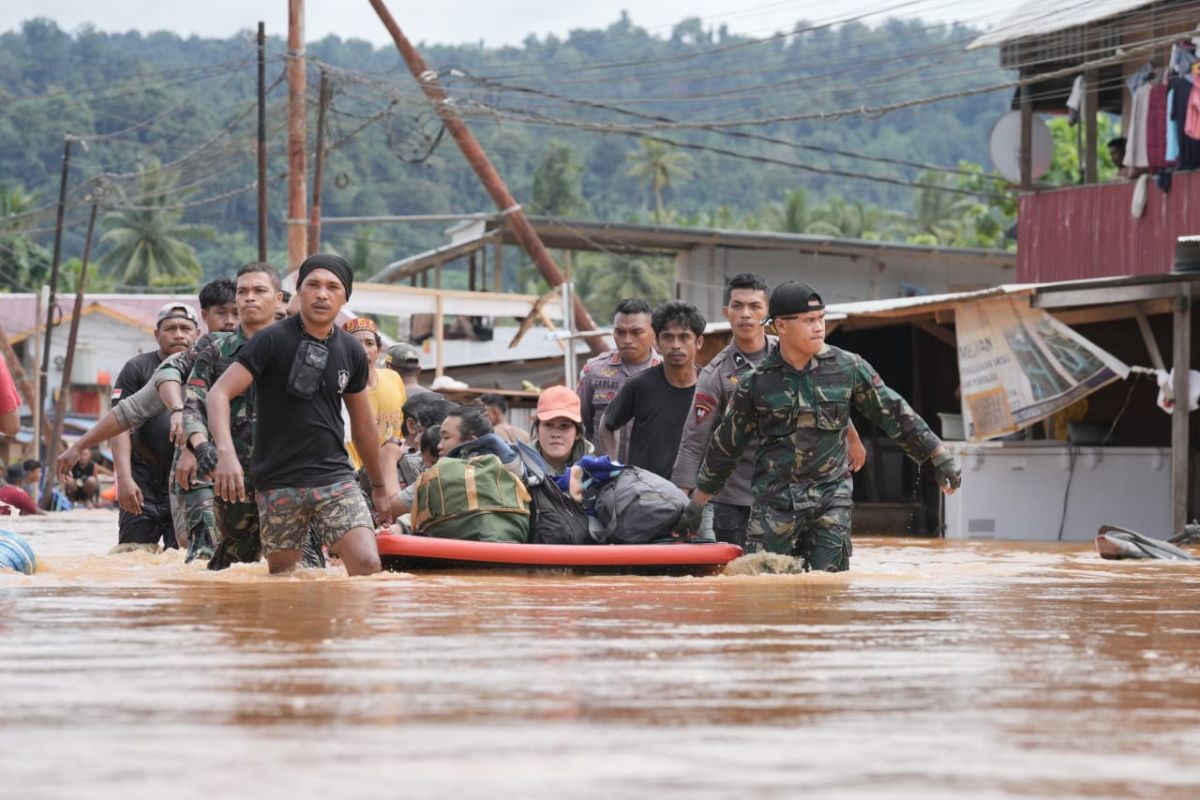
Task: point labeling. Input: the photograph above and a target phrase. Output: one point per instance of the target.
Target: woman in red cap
(558, 429)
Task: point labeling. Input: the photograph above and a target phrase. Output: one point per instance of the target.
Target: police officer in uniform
(797, 405)
(603, 376)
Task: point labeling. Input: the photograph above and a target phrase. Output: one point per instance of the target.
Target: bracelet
(178, 410)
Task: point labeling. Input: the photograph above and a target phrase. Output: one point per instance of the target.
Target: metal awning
(1033, 18)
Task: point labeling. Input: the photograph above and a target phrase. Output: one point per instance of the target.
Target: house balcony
(1090, 232)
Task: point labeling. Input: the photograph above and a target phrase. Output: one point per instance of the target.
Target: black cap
(794, 298)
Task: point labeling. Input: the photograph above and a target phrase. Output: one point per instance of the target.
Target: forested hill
(556, 108)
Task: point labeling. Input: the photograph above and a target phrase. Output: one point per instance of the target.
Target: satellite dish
(1004, 146)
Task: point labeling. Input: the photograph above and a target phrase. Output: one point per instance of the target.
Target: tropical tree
(604, 281)
(938, 213)
(24, 264)
(556, 182)
(660, 167)
(851, 219)
(793, 215)
(146, 239)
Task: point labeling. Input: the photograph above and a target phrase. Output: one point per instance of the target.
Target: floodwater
(932, 670)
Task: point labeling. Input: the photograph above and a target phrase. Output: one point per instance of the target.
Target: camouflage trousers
(193, 518)
(816, 527)
(291, 515)
(240, 538)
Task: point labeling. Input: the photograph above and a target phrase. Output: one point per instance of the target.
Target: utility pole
(262, 141)
(314, 222)
(44, 372)
(492, 182)
(297, 137)
(64, 391)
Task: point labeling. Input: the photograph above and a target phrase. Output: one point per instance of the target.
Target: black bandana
(335, 264)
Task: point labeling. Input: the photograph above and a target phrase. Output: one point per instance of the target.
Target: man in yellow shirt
(385, 388)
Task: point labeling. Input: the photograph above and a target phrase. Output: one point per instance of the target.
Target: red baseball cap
(559, 401)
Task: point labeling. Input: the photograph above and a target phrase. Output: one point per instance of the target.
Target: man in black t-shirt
(303, 368)
(658, 399)
(142, 457)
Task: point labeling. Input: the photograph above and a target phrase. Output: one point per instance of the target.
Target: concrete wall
(701, 273)
(110, 341)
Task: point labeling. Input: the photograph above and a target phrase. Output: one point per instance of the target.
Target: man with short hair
(237, 523)
(745, 309)
(32, 483)
(603, 376)
(142, 457)
(657, 400)
(496, 407)
(12, 495)
(302, 370)
(406, 361)
(797, 404)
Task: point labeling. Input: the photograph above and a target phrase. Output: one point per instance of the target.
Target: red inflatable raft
(405, 553)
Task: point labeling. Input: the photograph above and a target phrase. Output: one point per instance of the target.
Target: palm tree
(24, 264)
(938, 213)
(146, 239)
(793, 215)
(660, 167)
(622, 277)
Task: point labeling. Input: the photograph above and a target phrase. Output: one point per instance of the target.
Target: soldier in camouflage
(745, 308)
(258, 297)
(797, 405)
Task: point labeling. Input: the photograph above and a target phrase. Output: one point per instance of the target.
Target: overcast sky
(496, 22)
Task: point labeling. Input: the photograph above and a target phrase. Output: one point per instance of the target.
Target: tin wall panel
(1089, 232)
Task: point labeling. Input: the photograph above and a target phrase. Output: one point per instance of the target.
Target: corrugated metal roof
(1033, 19)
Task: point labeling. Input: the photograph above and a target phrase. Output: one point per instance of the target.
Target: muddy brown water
(932, 670)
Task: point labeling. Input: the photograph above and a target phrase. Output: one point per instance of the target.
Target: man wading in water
(797, 405)
(302, 369)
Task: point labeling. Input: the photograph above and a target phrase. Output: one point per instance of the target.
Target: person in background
(32, 484)
(745, 309)
(142, 457)
(657, 400)
(406, 361)
(497, 411)
(1116, 152)
(303, 369)
(797, 404)
(385, 388)
(10, 402)
(429, 446)
(13, 496)
(558, 429)
(84, 486)
(281, 311)
(603, 376)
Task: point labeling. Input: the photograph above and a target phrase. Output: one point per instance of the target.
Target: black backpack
(554, 516)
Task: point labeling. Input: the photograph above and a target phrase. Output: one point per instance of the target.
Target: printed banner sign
(1019, 365)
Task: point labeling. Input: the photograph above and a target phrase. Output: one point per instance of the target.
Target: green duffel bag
(475, 498)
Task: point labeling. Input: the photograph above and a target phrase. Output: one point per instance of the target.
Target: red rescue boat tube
(406, 553)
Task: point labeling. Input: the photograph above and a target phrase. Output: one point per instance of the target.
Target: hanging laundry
(1189, 147)
(1136, 155)
(1075, 100)
(1191, 124)
(1172, 131)
(1156, 127)
(1134, 81)
(1183, 55)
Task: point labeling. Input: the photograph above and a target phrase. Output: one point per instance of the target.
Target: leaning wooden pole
(492, 182)
(314, 220)
(55, 262)
(64, 391)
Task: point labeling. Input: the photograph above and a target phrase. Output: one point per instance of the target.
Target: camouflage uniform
(599, 382)
(192, 508)
(802, 485)
(236, 523)
(718, 381)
